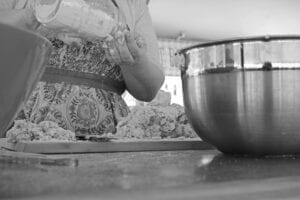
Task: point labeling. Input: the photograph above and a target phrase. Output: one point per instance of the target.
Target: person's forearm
(143, 78)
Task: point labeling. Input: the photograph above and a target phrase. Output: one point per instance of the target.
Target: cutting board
(11, 157)
(100, 147)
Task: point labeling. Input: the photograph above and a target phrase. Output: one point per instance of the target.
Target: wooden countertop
(196, 174)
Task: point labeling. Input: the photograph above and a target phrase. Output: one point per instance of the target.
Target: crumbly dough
(44, 131)
(149, 122)
(144, 122)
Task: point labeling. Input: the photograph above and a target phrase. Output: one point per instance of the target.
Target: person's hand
(23, 18)
(123, 49)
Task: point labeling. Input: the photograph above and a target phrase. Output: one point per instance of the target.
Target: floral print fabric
(82, 109)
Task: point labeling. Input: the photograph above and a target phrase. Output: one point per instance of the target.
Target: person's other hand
(123, 49)
(23, 18)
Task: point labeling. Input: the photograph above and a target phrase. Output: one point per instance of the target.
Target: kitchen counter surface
(201, 174)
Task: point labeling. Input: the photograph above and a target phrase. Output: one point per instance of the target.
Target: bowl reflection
(243, 109)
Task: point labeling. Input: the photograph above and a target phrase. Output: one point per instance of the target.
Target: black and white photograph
(150, 99)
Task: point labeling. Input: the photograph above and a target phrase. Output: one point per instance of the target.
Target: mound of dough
(44, 131)
(149, 122)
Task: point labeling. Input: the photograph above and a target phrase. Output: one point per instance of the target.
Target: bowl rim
(265, 38)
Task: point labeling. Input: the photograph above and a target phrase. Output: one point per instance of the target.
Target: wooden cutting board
(23, 158)
(100, 147)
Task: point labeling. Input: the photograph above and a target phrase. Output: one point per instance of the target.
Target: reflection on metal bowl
(242, 108)
(22, 55)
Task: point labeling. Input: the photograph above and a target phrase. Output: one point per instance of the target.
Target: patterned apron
(80, 90)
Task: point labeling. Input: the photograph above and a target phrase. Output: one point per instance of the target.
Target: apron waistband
(54, 75)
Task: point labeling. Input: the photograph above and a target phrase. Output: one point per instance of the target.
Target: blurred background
(182, 23)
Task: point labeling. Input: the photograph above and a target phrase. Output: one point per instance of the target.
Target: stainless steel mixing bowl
(22, 55)
(243, 95)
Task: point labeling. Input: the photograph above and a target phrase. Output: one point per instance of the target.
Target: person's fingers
(32, 22)
(106, 50)
(132, 45)
(112, 52)
(21, 18)
(121, 46)
(106, 46)
(26, 19)
(125, 54)
(108, 56)
(117, 51)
